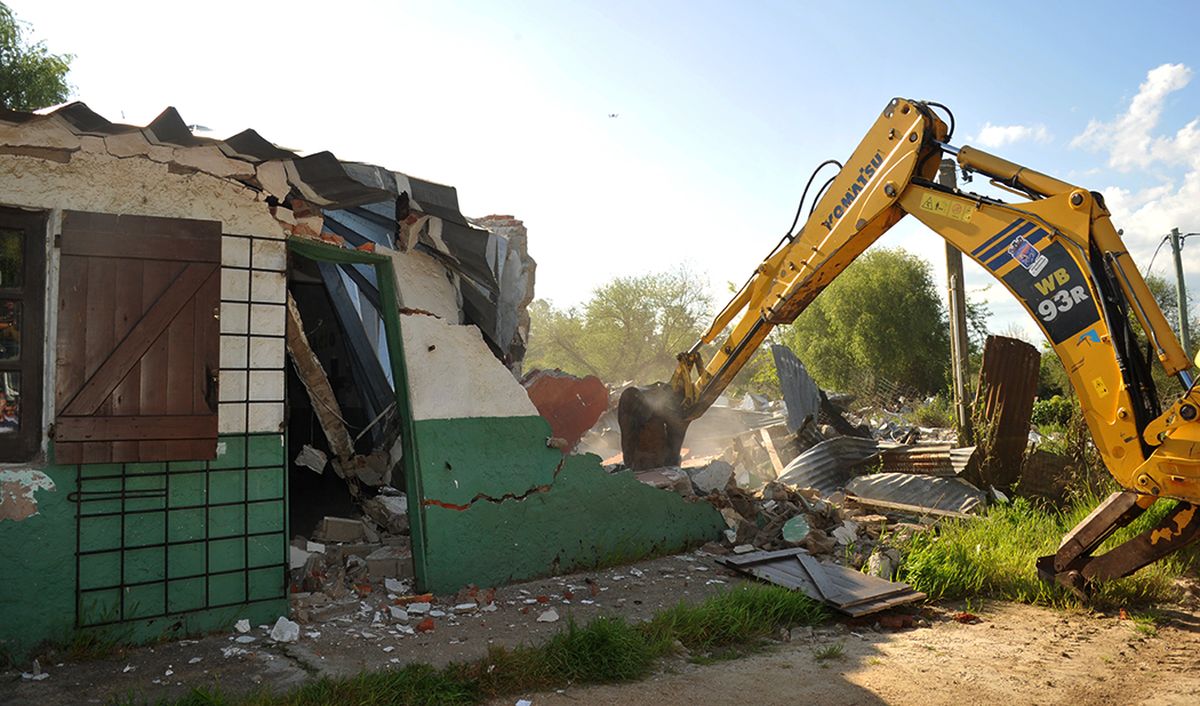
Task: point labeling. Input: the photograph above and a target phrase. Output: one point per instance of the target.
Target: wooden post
(959, 347)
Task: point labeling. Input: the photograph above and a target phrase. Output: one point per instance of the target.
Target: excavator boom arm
(1057, 252)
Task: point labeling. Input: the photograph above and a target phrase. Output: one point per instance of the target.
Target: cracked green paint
(581, 517)
(501, 456)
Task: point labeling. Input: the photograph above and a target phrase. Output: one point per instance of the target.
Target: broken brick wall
(497, 505)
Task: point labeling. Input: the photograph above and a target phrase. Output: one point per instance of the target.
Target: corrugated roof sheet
(919, 491)
(827, 467)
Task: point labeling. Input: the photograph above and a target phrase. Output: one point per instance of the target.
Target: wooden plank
(136, 428)
(144, 333)
(126, 397)
(816, 572)
(96, 451)
(207, 352)
(769, 444)
(155, 237)
(316, 383)
(98, 341)
(181, 374)
(98, 324)
(912, 509)
(153, 364)
(881, 604)
(740, 560)
(72, 313)
(127, 246)
(68, 453)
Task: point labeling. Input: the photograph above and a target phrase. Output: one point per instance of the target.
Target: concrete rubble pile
(347, 558)
(843, 484)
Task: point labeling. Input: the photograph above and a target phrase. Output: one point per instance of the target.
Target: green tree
(30, 76)
(882, 319)
(629, 330)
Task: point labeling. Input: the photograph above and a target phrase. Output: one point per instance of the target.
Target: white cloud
(1128, 139)
(1164, 166)
(999, 135)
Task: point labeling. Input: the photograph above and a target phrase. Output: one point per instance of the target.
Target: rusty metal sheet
(937, 459)
(1003, 407)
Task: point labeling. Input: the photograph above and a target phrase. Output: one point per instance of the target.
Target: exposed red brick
(571, 405)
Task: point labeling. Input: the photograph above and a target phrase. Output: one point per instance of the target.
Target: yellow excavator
(1058, 253)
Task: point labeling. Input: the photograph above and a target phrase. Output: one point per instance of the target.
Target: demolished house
(227, 365)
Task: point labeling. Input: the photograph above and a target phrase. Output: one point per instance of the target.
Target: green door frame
(390, 311)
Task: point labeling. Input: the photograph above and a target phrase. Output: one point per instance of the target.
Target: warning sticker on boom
(1058, 294)
(947, 207)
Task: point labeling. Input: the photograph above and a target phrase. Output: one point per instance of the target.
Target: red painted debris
(422, 598)
(568, 595)
(543, 599)
(571, 405)
(425, 625)
(967, 618)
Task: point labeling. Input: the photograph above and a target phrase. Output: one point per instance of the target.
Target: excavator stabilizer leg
(652, 426)
(1074, 566)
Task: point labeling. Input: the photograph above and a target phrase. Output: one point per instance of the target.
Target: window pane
(10, 329)
(10, 402)
(11, 257)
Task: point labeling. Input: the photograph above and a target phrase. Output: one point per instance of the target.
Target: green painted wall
(37, 569)
(201, 545)
(557, 518)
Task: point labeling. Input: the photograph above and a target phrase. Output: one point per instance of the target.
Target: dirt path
(1017, 655)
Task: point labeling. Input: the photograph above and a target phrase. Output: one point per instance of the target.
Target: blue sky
(722, 108)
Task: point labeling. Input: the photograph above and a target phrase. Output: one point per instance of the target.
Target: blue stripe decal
(1003, 245)
(1005, 257)
(997, 236)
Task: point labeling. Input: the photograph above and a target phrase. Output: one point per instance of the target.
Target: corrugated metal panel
(851, 592)
(827, 466)
(918, 491)
(1007, 385)
(800, 393)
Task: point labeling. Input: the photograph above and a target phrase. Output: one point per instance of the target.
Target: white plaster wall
(252, 311)
(452, 373)
(423, 284)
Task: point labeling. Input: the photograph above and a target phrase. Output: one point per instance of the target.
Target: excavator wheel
(652, 426)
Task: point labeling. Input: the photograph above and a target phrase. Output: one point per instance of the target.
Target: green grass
(606, 649)
(833, 651)
(740, 615)
(994, 556)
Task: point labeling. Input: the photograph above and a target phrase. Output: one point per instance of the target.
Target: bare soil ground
(1017, 654)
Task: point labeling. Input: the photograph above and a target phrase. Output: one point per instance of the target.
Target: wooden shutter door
(138, 339)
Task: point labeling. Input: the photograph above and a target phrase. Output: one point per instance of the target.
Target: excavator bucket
(652, 426)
